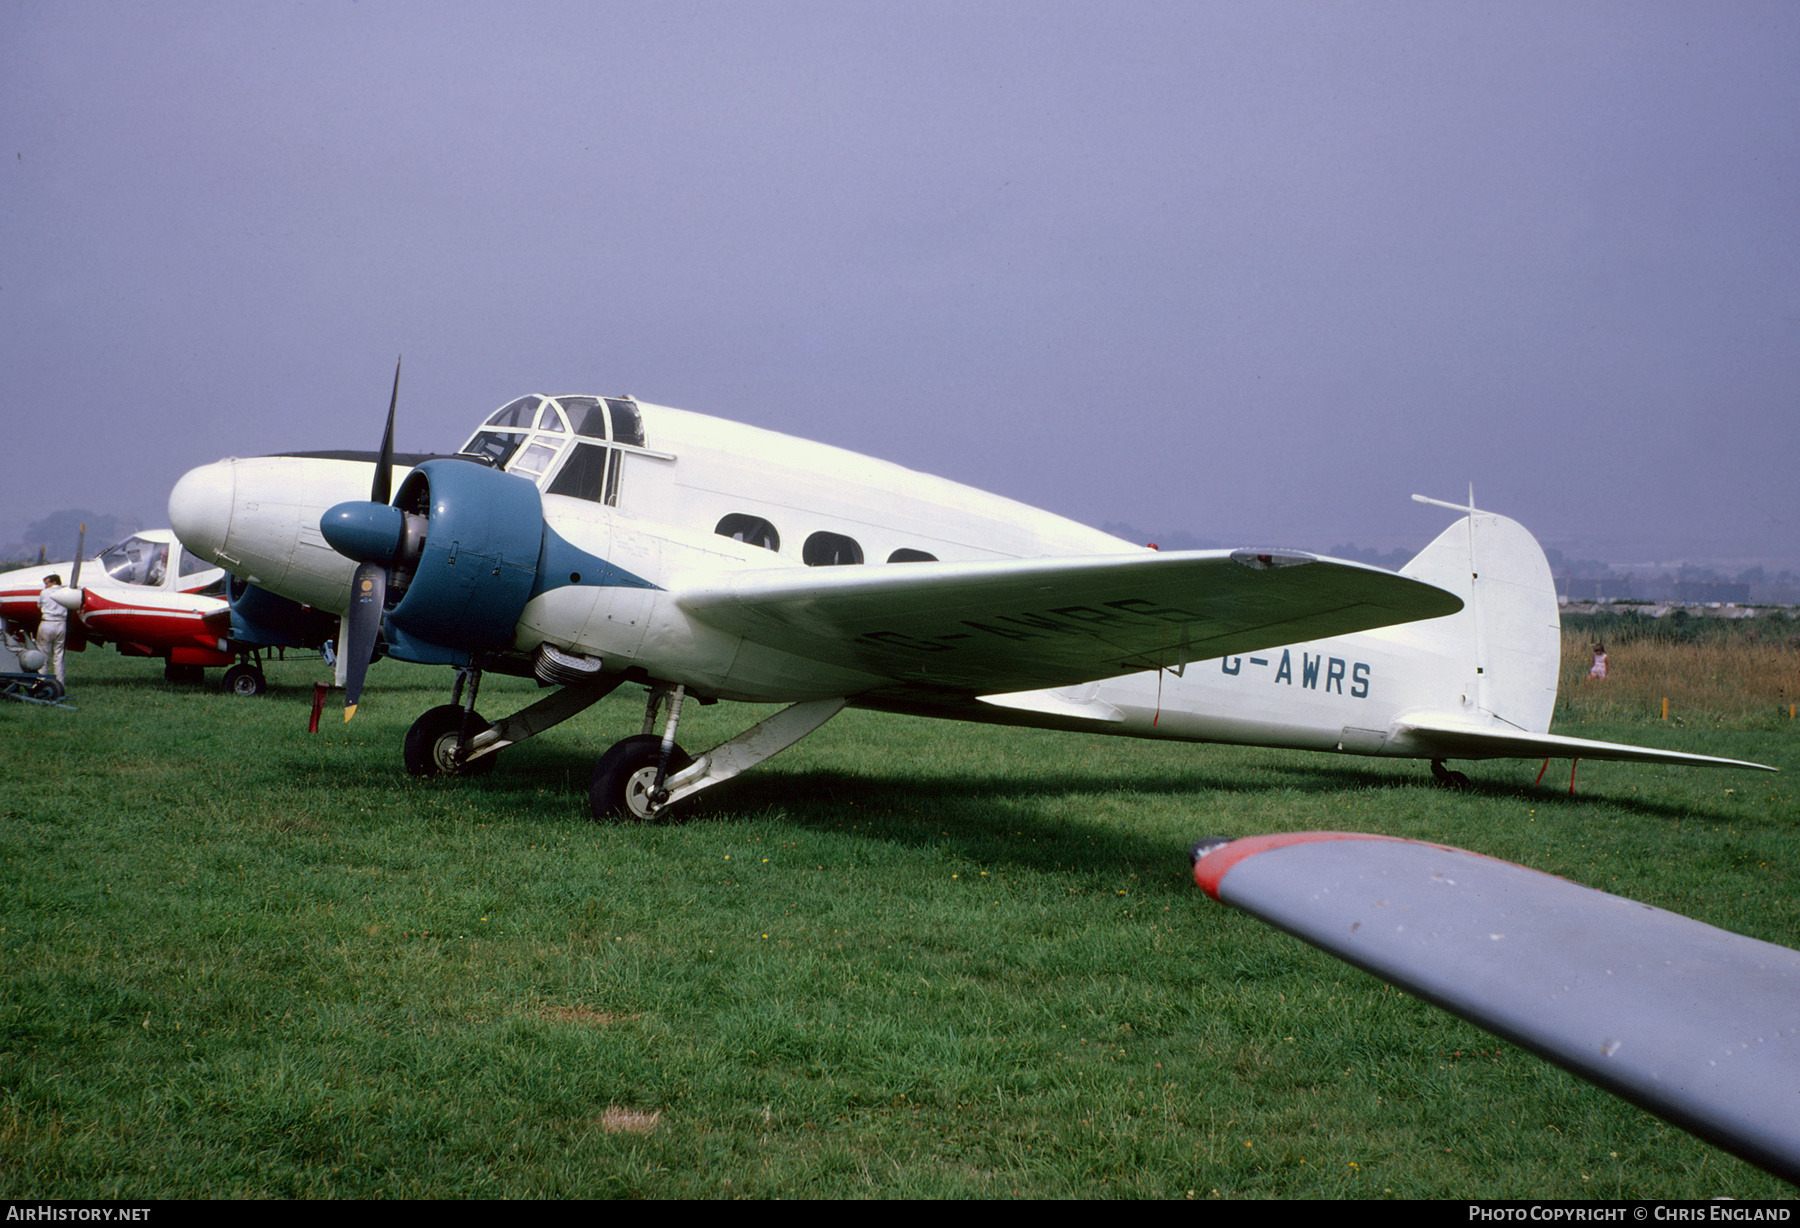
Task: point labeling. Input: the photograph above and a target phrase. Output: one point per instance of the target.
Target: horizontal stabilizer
(1695, 1024)
(1056, 703)
(1023, 624)
(1444, 736)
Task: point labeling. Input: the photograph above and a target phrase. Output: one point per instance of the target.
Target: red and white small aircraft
(151, 598)
(590, 541)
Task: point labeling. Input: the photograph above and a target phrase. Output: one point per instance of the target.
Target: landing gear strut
(435, 744)
(630, 780)
(624, 785)
(640, 778)
(453, 740)
(438, 742)
(633, 781)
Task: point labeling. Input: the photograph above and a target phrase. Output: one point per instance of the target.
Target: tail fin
(1509, 631)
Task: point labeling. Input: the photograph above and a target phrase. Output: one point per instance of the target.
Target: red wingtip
(1211, 869)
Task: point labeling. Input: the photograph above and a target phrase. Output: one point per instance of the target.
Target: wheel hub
(444, 752)
(638, 799)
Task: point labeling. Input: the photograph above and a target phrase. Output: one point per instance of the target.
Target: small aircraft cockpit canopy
(193, 564)
(138, 560)
(531, 435)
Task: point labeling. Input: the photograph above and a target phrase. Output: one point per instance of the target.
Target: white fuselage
(670, 498)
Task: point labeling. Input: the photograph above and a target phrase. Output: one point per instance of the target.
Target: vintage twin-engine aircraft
(590, 541)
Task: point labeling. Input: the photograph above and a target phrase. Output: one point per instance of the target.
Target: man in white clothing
(53, 627)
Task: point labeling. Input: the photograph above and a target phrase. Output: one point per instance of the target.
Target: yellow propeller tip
(349, 711)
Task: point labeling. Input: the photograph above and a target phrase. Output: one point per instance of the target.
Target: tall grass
(1718, 677)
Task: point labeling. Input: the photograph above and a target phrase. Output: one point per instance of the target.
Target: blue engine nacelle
(265, 620)
(475, 567)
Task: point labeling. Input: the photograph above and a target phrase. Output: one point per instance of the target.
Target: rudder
(1510, 627)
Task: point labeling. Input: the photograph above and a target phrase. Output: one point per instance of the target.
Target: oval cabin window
(751, 530)
(830, 550)
(908, 555)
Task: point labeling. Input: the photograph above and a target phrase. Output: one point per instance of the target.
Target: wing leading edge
(1695, 1024)
(1024, 623)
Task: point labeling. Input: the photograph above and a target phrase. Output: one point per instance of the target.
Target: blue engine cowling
(266, 620)
(476, 567)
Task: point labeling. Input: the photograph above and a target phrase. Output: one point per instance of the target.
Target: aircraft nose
(200, 507)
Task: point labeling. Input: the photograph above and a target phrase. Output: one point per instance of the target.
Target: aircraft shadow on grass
(801, 793)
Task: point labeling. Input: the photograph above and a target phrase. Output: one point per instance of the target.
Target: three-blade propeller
(371, 533)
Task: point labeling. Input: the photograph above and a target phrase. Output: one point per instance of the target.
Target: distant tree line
(1680, 627)
(55, 536)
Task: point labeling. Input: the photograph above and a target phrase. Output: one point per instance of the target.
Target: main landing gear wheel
(432, 740)
(245, 680)
(620, 789)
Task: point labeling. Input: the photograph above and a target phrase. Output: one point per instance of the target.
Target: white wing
(1020, 624)
(1696, 1024)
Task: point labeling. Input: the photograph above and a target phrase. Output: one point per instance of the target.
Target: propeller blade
(80, 549)
(383, 488)
(368, 592)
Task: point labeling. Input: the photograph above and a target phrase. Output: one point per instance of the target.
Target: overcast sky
(1254, 272)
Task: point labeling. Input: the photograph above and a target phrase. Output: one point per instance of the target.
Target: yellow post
(1665, 707)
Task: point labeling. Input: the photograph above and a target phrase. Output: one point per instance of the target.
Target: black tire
(431, 744)
(47, 689)
(620, 788)
(244, 680)
(183, 673)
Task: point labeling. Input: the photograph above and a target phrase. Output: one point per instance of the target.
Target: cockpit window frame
(583, 472)
(551, 418)
(564, 423)
(494, 447)
(507, 417)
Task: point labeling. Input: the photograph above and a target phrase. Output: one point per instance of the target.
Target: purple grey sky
(1255, 272)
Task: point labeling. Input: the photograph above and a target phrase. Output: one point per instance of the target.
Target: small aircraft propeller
(371, 533)
(78, 629)
(80, 549)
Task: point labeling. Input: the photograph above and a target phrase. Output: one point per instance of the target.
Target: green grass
(906, 958)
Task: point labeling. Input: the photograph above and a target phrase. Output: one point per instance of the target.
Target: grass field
(906, 958)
